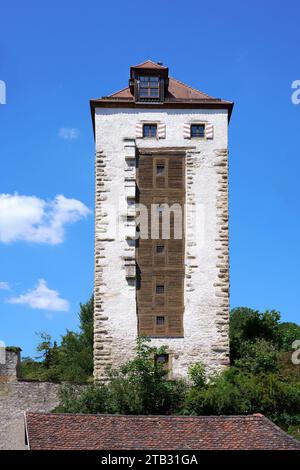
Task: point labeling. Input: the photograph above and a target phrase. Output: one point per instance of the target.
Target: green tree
(250, 325)
(72, 359)
(288, 333)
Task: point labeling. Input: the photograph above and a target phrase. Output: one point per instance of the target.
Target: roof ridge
(152, 62)
(253, 416)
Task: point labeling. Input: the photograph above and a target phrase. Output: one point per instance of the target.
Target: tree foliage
(137, 387)
(261, 379)
(71, 360)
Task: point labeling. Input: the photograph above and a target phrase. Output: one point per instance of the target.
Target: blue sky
(55, 56)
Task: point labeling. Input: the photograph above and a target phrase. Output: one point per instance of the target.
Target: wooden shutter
(161, 269)
(146, 324)
(161, 131)
(145, 291)
(175, 324)
(209, 131)
(176, 172)
(145, 172)
(139, 130)
(186, 131)
(175, 252)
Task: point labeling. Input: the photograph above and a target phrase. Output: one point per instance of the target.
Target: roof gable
(149, 64)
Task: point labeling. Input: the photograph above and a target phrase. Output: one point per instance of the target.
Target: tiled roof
(176, 90)
(99, 432)
(149, 64)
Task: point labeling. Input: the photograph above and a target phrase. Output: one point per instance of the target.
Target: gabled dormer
(148, 82)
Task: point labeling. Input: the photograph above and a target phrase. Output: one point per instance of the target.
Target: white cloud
(31, 219)
(68, 133)
(42, 298)
(4, 285)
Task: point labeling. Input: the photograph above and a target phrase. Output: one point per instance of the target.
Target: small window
(162, 358)
(160, 289)
(160, 169)
(160, 249)
(149, 130)
(160, 321)
(149, 87)
(197, 130)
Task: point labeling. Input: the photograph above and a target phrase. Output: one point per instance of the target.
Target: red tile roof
(47, 431)
(176, 91)
(178, 95)
(149, 64)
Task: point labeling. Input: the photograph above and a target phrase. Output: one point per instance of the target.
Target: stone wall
(206, 314)
(18, 396)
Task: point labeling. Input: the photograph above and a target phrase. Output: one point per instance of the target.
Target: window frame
(160, 252)
(150, 124)
(144, 83)
(158, 318)
(160, 289)
(198, 136)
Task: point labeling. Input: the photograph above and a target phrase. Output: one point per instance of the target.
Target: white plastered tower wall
(206, 290)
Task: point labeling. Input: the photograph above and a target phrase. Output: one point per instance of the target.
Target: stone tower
(161, 222)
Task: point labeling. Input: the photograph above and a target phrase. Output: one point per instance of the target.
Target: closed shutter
(175, 291)
(161, 179)
(209, 131)
(186, 131)
(161, 131)
(145, 172)
(145, 292)
(146, 324)
(144, 251)
(175, 324)
(139, 130)
(175, 172)
(175, 252)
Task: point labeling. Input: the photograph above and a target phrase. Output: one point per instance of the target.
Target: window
(149, 130)
(197, 130)
(162, 358)
(160, 169)
(160, 249)
(160, 321)
(149, 87)
(160, 289)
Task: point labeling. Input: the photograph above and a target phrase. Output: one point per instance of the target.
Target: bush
(237, 392)
(196, 373)
(258, 356)
(137, 387)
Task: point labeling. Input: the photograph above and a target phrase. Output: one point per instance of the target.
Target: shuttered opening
(160, 303)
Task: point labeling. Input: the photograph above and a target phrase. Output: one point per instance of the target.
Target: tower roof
(176, 93)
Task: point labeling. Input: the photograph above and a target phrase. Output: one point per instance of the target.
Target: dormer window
(149, 87)
(149, 82)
